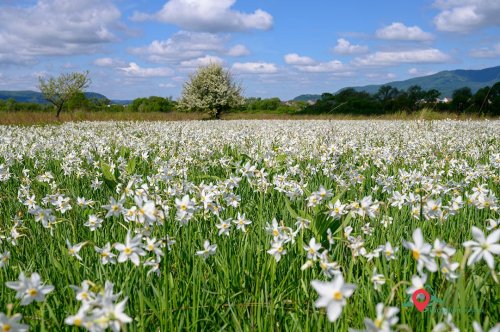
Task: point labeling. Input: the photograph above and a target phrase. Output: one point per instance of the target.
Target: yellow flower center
(32, 292)
(337, 295)
(127, 251)
(6, 328)
(77, 322)
(183, 207)
(416, 254)
(150, 247)
(280, 249)
(275, 232)
(378, 322)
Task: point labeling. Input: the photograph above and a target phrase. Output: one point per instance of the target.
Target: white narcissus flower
(4, 258)
(29, 289)
(277, 249)
(12, 324)
(417, 282)
(74, 250)
(106, 255)
(208, 249)
(446, 326)
(224, 226)
(332, 295)
(386, 319)
(421, 251)
(483, 247)
(241, 222)
(377, 279)
(312, 249)
(131, 250)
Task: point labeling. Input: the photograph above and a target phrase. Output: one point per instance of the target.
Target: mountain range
(29, 96)
(444, 81)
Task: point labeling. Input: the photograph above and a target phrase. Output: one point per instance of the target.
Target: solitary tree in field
(59, 90)
(211, 89)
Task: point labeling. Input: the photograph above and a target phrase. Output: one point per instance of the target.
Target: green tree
(211, 89)
(78, 102)
(59, 90)
(431, 96)
(461, 99)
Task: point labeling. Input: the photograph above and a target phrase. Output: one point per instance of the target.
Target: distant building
(445, 100)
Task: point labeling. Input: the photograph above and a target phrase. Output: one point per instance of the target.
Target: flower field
(250, 225)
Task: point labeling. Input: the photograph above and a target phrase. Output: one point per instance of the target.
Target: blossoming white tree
(211, 89)
(58, 91)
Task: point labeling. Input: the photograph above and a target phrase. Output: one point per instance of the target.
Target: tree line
(389, 99)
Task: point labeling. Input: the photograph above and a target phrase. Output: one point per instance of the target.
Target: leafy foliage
(211, 89)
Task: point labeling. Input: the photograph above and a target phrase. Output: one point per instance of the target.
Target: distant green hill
(37, 97)
(445, 81)
(307, 97)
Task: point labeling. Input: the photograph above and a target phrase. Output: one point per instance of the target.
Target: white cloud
(134, 70)
(430, 55)
(295, 59)
(324, 67)
(413, 71)
(238, 50)
(486, 52)
(345, 47)
(203, 61)
(467, 15)
(108, 62)
(399, 31)
(55, 27)
(208, 16)
(183, 45)
(255, 67)
(166, 85)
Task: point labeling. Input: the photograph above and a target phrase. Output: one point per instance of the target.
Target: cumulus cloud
(55, 27)
(345, 47)
(134, 70)
(166, 85)
(415, 72)
(430, 55)
(466, 15)
(208, 16)
(399, 31)
(183, 45)
(324, 67)
(203, 61)
(486, 52)
(255, 68)
(238, 50)
(108, 62)
(295, 59)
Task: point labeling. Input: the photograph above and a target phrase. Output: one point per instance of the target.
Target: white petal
(495, 249)
(334, 310)
(478, 234)
(493, 237)
(488, 257)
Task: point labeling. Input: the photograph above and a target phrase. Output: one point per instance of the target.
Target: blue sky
(273, 47)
